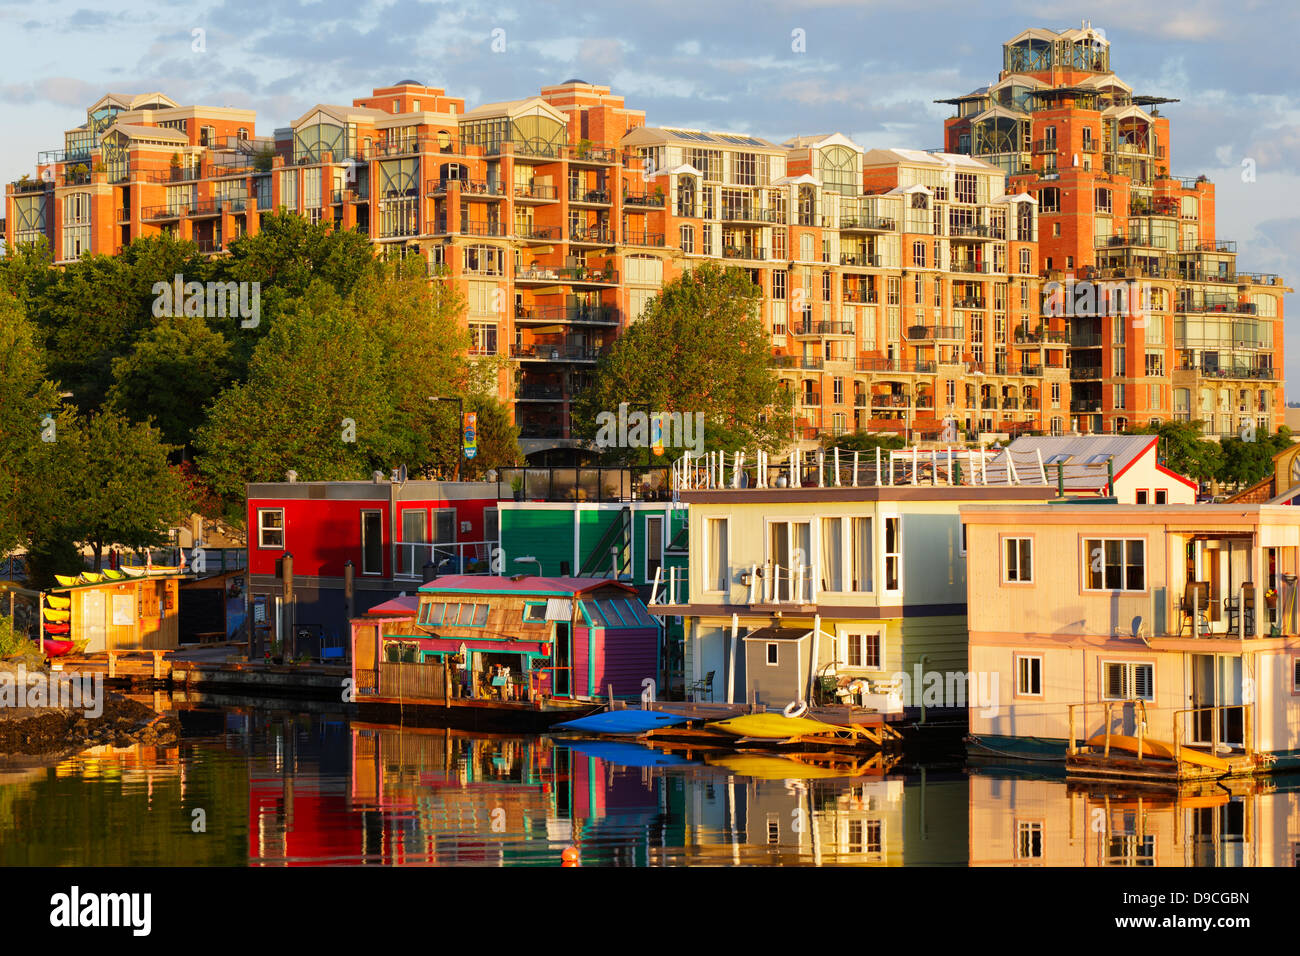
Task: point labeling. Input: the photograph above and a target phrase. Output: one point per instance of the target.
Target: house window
(832, 542)
(1018, 560)
(773, 653)
(654, 545)
(1162, 496)
(534, 613)
(270, 528)
(372, 542)
(688, 239)
(893, 552)
(715, 554)
(1029, 676)
(1115, 564)
(1029, 841)
(861, 549)
(1124, 680)
(1141, 496)
(863, 651)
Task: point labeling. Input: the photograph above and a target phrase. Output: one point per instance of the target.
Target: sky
(870, 70)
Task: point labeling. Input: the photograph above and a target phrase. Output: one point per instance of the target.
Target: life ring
(796, 708)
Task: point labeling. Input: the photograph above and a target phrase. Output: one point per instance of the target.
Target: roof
(403, 605)
(1085, 457)
(696, 137)
(148, 132)
(890, 155)
(531, 584)
(531, 104)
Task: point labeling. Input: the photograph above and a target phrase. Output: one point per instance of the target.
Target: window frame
(1017, 691)
(1130, 668)
(645, 548)
(361, 518)
(261, 531)
(1086, 566)
(1003, 541)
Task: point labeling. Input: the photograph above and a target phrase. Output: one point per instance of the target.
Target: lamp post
(530, 558)
(460, 420)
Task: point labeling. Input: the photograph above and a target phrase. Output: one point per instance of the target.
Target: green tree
(863, 441)
(1182, 449)
(699, 347)
(173, 373)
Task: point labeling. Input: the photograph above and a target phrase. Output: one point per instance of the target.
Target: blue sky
(869, 69)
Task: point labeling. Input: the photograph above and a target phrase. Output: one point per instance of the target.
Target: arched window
(839, 170)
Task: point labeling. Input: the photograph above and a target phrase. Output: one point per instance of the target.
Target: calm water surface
(264, 788)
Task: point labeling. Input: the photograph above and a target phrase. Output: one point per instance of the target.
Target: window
(893, 552)
(372, 542)
(1029, 676)
(1140, 496)
(863, 651)
(832, 542)
(1029, 841)
(688, 239)
(270, 528)
(1018, 560)
(1024, 262)
(534, 613)
(431, 612)
(1115, 564)
(1127, 681)
(715, 554)
(773, 654)
(654, 545)
(860, 550)
(1162, 496)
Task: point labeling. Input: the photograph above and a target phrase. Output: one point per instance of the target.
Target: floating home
(526, 642)
(825, 584)
(1104, 623)
(112, 611)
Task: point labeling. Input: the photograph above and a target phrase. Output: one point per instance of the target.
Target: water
(265, 788)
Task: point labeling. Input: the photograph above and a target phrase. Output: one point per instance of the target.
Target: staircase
(612, 555)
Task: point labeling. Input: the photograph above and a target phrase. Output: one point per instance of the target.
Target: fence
(423, 681)
(454, 557)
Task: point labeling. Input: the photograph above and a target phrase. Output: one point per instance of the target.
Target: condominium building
(1176, 329)
(903, 289)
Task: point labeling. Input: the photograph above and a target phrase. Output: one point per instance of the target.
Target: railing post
(855, 468)
(1070, 749)
(654, 588)
(753, 582)
(1109, 711)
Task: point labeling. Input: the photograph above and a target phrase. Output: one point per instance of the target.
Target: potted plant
(517, 486)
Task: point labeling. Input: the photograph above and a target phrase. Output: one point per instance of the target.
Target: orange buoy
(570, 856)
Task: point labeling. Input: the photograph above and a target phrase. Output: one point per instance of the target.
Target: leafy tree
(1183, 450)
(1247, 462)
(864, 441)
(171, 375)
(26, 399)
(699, 347)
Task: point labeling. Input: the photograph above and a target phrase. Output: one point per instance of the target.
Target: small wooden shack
(519, 638)
(126, 614)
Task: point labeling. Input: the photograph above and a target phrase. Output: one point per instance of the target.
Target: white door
(93, 627)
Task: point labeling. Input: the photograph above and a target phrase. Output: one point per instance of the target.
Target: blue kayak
(626, 754)
(622, 722)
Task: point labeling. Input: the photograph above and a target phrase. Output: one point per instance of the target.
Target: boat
(774, 726)
(111, 575)
(66, 581)
(56, 616)
(630, 722)
(158, 569)
(58, 628)
(1158, 748)
(57, 648)
(90, 577)
(59, 603)
(776, 767)
(132, 572)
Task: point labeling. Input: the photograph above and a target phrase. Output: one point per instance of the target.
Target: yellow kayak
(59, 603)
(1158, 748)
(773, 726)
(57, 616)
(91, 577)
(762, 767)
(65, 580)
(160, 569)
(111, 575)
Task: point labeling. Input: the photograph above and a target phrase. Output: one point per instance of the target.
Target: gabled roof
(513, 108)
(644, 135)
(544, 586)
(400, 606)
(1086, 461)
(147, 132)
(341, 115)
(824, 139)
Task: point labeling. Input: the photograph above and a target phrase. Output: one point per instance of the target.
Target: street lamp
(460, 419)
(536, 561)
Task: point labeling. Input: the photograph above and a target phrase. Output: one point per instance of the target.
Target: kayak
(90, 577)
(131, 572)
(65, 580)
(57, 648)
(762, 767)
(622, 722)
(58, 628)
(56, 616)
(111, 575)
(773, 726)
(59, 603)
(625, 754)
(1158, 748)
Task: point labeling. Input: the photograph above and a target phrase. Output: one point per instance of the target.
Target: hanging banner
(657, 434)
(471, 434)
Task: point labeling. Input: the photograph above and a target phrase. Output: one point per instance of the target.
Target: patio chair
(704, 684)
(1196, 600)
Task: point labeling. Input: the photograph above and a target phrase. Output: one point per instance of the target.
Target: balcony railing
(1085, 406)
(823, 328)
(798, 361)
(1229, 371)
(563, 352)
(867, 223)
(744, 252)
(870, 364)
(960, 265)
(967, 303)
(1042, 336)
(596, 235)
(30, 186)
(1084, 372)
(595, 315)
(593, 197)
(861, 296)
(537, 233)
(647, 199)
(973, 232)
(652, 239)
(859, 259)
(497, 229)
(571, 274)
(536, 191)
(467, 187)
(453, 557)
(751, 215)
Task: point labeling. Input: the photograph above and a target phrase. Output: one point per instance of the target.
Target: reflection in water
(278, 789)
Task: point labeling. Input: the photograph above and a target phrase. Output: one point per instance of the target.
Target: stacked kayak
(629, 722)
(773, 726)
